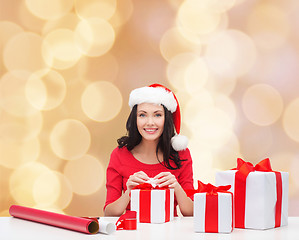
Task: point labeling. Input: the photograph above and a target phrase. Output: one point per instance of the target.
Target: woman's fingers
(136, 178)
(161, 180)
(167, 183)
(161, 174)
(164, 179)
(141, 175)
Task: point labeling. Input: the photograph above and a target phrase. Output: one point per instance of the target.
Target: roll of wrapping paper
(85, 225)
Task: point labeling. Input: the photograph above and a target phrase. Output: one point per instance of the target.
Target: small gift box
(260, 194)
(213, 210)
(152, 204)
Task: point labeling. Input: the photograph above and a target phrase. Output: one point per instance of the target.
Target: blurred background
(67, 68)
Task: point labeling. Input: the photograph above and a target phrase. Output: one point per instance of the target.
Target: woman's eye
(141, 115)
(158, 115)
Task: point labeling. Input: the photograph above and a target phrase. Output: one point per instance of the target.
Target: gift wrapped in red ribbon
(213, 210)
(260, 194)
(152, 204)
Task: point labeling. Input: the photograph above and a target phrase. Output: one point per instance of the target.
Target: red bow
(244, 168)
(208, 188)
(148, 186)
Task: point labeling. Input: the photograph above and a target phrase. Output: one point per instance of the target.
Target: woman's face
(150, 121)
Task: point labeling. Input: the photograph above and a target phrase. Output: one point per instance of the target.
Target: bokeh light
(230, 53)
(95, 8)
(255, 137)
(94, 36)
(49, 9)
(219, 5)
(59, 49)
(22, 182)
(225, 104)
(176, 69)
(173, 43)
(86, 175)
(268, 25)
(290, 120)
(45, 89)
(27, 20)
(16, 153)
(262, 104)
(69, 21)
(122, 14)
(22, 47)
(70, 139)
(198, 18)
(7, 31)
(52, 190)
(66, 192)
(19, 129)
(46, 189)
(202, 100)
(196, 76)
(210, 126)
(101, 101)
(227, 154)
(12, 91)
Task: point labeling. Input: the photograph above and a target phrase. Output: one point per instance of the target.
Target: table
(181, 228)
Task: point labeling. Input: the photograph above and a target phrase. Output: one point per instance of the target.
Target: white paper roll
(106, 227)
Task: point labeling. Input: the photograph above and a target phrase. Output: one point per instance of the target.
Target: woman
(150, 150)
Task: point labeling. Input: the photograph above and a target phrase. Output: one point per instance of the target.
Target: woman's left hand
(164, 179)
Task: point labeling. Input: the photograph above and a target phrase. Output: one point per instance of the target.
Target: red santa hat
(159, 94)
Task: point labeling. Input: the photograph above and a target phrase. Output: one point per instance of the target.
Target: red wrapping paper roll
(84, 225)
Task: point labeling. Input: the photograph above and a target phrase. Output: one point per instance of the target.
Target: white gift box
(157, 208)
(260, 198)
(224, 216)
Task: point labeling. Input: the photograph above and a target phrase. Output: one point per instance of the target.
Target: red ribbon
(208, 188)
(244, 168)
(211, 212)
(127, 221)
(145, 202)
(148, 186)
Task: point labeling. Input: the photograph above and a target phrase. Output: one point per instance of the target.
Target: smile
(150, 130)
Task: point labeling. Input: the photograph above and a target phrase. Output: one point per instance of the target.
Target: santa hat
(158, 94)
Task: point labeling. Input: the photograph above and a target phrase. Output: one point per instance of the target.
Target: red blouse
(123, 164)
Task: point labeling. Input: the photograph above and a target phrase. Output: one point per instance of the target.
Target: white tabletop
(181, 228)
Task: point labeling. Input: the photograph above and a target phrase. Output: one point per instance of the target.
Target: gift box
(152, 204)
(260, 194)
(213, 210)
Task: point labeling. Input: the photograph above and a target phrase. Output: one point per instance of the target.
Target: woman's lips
(150, 130)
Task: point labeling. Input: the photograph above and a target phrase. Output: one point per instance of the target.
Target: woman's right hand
(135, 179)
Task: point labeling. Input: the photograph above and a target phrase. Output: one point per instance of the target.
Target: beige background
(67, 68)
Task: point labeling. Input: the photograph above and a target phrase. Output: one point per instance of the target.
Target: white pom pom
(179, 142)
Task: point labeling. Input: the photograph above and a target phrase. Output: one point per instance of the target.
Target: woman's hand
(164, 179)
(136, 179)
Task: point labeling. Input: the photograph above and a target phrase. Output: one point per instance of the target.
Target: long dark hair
(133, 138)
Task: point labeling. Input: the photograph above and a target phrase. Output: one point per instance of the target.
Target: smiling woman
(151, 149)
(150, 121)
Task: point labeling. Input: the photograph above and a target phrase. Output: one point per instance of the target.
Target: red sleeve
(113, 178)
(185, 178)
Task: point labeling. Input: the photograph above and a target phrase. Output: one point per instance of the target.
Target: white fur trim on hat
(156, 95)
(179, 142)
